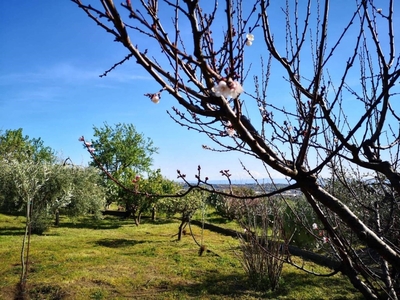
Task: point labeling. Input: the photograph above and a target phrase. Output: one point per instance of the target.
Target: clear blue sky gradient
(51, 56)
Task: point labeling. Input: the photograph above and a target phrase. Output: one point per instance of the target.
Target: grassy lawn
(114, 259)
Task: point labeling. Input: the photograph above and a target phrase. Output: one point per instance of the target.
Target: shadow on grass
(12, 213)
(118, 243)
(158, 221)
(292, 285)
(90, 223)
(339, 288)
(218, 220)
(12, 231)
(216, 285)
(12, 226)
(99, 225)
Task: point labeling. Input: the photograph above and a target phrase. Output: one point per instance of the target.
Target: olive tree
(82, 192)
(337, 105)
(48, 190)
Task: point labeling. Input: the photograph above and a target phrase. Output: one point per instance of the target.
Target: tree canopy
(50, 189)
(123, 154)
(30, 175)
(122, 151)
(14, 145)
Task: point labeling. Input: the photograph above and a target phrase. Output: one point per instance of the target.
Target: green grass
(114, 259)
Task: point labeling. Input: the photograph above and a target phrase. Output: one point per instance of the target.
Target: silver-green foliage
(49, 189)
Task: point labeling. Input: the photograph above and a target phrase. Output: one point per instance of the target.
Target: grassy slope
(114, 259)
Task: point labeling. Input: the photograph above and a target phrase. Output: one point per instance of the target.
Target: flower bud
(250, 37)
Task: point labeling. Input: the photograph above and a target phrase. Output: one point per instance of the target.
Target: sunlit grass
(114, 259)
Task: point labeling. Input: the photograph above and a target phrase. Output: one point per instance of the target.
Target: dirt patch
(35, 292)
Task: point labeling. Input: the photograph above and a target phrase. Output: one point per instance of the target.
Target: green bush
(298, 223)
(40, 221)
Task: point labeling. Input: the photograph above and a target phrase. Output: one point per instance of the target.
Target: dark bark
(180, 230)
(57, 221)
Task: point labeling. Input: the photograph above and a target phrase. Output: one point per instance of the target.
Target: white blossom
(229, 129)
(155, 99)
(230, 89)
(315, 226)
(250, 37)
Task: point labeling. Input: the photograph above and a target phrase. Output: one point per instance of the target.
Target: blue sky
(50, 62)
(51, 59)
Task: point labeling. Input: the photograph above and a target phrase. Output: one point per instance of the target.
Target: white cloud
(68, 73)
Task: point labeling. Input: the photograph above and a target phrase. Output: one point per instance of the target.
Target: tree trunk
(57, 221)
(181, 228)
(185, 221)
(137, 218)
(128, 210)
(364, 233)
(153, 213)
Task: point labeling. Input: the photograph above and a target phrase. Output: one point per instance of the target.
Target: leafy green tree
(21, 182)
(186, 206)
(150, 189)
(73, 191)
(49, 189)
(20, 188)
(123, 153)
(88, 194)
(14, 145)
